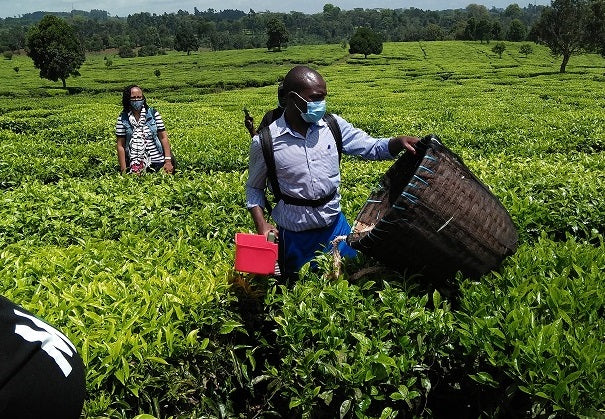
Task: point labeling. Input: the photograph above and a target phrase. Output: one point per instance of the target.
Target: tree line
(57, 45)
(235, 29)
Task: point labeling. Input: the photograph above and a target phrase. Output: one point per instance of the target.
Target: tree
(277, 34)
(564, 28)
(499, 48)
(526, 49)
(331, 11)
(55, 49)
(516, 31)
(365, 41)
(186, 40)
(15, 37)
(513, 11)
(126, 52)
(148, 51)
(596, 28)
(496, 30)
(478, 29)
(433, 32)
(470, 29)
(477, 11)
(484, 30)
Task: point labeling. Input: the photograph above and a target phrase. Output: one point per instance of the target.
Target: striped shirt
(308, 168)
(154, 153)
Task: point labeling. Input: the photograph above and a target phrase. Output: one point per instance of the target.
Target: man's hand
(409, 142)
(402, 142)
(268, 228)
(249, 123)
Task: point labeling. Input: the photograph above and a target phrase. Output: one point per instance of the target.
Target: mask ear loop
(302, 98)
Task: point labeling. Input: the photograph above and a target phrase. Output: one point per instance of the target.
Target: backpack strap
(266, 142)
(336, 133)
(267, 146)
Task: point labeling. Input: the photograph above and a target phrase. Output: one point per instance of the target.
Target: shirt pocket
(325, 162)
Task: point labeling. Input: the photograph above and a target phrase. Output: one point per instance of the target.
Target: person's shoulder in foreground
(41, 373)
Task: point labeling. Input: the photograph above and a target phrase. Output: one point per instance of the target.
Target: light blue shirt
(307, 168)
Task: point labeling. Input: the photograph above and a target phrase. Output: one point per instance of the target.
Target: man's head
(305, 89)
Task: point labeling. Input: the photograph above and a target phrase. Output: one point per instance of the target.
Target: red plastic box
(254, 254)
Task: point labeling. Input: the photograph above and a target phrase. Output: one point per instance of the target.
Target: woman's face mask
(315, 110)
(137, 105)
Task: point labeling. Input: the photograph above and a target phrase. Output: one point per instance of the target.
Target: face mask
(137, 105)
(315, 110)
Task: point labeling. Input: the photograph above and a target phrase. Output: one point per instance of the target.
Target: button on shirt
(308, 168)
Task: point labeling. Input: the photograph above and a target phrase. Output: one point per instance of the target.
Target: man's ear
(290, 98)
(297, 101)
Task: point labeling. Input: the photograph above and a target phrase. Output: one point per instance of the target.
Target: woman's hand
(168, 167)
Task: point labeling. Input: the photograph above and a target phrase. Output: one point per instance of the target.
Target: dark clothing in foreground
(41, 373)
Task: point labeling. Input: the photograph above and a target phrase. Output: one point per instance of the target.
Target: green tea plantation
(138, 270)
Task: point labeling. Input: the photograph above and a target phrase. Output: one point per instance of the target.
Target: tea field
(138, 271)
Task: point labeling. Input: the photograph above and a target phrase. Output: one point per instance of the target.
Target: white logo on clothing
(54, 343)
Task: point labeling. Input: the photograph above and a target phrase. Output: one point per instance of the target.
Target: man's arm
(255, 188)
(357, 142)
(262, 226)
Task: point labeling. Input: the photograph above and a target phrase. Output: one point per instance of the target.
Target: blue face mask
(137, 105)
(315, 110)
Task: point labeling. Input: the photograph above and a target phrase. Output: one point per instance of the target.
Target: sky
(15, 8)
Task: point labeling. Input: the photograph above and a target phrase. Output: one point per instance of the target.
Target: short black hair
(295, 79)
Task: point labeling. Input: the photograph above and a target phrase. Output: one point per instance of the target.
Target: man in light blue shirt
(308, 213)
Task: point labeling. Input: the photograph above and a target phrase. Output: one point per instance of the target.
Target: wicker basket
(431, 214)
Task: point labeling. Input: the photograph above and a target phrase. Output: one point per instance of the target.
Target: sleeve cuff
(254, 198)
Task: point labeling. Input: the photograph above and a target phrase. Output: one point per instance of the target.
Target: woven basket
(431, 214)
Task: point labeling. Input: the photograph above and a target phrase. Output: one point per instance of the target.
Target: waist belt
(301, 202)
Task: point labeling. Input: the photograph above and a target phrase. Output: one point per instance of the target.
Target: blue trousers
(299, 247)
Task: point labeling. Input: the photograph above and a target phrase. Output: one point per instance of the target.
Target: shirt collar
(282, 127)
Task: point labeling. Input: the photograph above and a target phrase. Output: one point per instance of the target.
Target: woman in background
(142, 142)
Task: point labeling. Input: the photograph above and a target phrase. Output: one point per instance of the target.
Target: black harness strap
(336, 133)
(267, 146)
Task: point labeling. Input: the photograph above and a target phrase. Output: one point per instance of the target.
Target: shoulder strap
(267, 146)
(336, 133)
(266, 142)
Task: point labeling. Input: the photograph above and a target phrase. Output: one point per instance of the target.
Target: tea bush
(540, 323)
(356, 350)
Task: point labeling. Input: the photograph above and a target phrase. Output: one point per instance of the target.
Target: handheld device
(271, 237)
